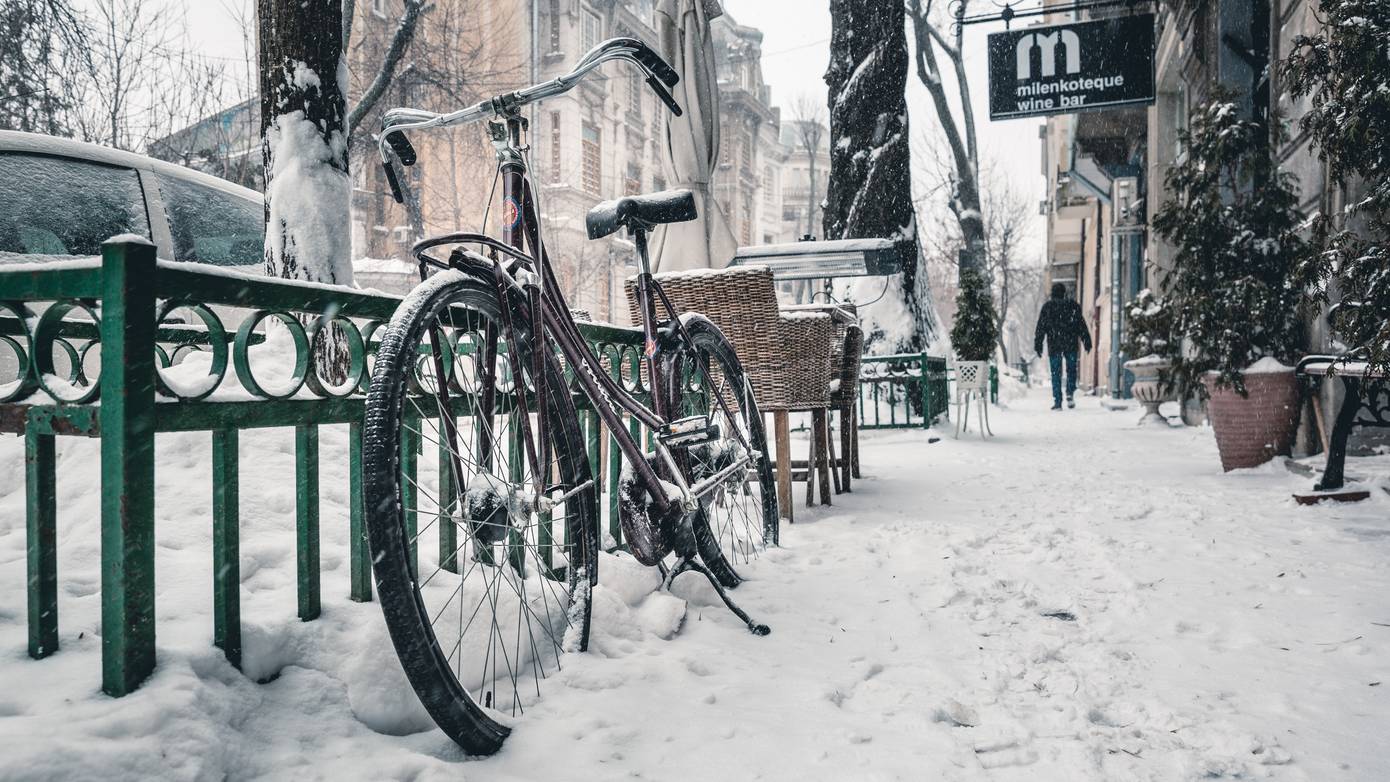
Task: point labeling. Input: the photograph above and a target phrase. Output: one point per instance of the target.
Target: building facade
(748, 179)
(1106, 168)
(807, 143)
(602, 140)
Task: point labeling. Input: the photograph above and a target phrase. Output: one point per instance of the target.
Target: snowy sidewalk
(1074, 599)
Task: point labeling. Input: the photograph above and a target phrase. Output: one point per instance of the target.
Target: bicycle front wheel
(484, 580)
(739, 518)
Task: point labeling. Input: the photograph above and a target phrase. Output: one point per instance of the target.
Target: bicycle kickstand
(683, 564)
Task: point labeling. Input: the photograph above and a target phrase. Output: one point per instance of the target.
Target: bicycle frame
(532, 274)
(548, 312)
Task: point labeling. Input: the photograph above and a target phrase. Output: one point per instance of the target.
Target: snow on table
(1074, 600)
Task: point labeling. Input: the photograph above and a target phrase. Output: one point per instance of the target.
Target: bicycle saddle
(641, 212)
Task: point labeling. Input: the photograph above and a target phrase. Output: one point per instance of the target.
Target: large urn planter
(1252, 429)
(1148, 387)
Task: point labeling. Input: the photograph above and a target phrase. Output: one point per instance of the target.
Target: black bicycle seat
(641, 212)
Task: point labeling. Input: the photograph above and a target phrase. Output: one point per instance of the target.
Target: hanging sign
(1064, 68)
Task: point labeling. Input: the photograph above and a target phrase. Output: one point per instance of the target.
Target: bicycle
(471, 361)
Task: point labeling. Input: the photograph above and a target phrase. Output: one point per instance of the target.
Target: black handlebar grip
(393, 182)
(665, 96)
(653, 62)
(401, 145)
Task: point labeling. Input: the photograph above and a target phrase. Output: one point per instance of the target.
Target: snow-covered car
(60, 197)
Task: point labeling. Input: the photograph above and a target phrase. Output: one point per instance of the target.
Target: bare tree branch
(405, 32)
(808, 117)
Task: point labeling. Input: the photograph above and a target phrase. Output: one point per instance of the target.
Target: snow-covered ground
(1074, 599)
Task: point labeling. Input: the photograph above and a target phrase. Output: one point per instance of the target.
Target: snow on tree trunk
(304, 140)
(870, 190)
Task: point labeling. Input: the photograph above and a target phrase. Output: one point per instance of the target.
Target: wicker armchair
(786, 355)
(846, 357)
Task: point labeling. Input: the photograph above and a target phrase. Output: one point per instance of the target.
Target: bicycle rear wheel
(501, 589)
(739, 519)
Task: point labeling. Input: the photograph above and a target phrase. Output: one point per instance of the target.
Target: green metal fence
(87, 342)
(907, 390)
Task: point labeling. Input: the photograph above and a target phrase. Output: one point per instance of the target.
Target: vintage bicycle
(481, 364)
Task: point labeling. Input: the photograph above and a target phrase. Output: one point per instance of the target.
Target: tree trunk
(870, 191)
(304, 140)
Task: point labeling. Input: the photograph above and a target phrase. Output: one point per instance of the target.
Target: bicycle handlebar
(660, 77)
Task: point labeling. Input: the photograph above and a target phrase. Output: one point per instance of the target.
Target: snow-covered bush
(974, 334)
(1148, 327)
(1344, 71)
(1234, 225)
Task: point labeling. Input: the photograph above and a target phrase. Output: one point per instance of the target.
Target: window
(658, 182)
(632, 183)
(769, 187)
(593, 29)
(593, 159)
(211, 226)
(61, 206)
(746, 151)
(379, 8)
(746, 221)
(634, 94)
(554, 146)
(554, 26)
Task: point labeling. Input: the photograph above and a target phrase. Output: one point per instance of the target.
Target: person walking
(1060, 323)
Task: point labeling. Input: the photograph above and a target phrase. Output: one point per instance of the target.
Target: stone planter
(1253, 429)
(1148, 387)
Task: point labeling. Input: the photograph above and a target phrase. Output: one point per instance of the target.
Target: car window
(64, 206)
(211, 225)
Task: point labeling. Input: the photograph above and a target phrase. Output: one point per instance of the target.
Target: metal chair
(972, 383)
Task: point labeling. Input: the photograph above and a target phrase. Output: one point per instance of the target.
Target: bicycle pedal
(687, 432)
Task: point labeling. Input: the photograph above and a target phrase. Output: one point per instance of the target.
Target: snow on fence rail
(124, 346)
(906, 390)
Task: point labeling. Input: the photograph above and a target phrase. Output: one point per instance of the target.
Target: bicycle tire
(722, 533)
(401, 592)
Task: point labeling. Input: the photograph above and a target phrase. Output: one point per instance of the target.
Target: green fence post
(926, 388)
(127, 464)
(226, 545)
(306, 478)
(410, 493)
(359, 555)
(41, 540)
(448, 506)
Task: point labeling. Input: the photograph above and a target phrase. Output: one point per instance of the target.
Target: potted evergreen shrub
(1148, 341)
(1343, 72)
(1235, 302)
(974, 335)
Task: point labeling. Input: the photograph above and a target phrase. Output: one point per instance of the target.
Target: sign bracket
(1008, 14)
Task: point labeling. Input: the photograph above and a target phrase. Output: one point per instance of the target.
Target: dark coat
(1061, 324)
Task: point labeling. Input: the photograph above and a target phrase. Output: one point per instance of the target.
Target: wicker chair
(846, 357)
(786, 356)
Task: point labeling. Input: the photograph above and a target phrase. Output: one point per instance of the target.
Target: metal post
(306, 474)
(410, 450)
(226, 545)
(448, 505)
(925, 390)
(127, 464)
(359, 554)
(41, 540)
